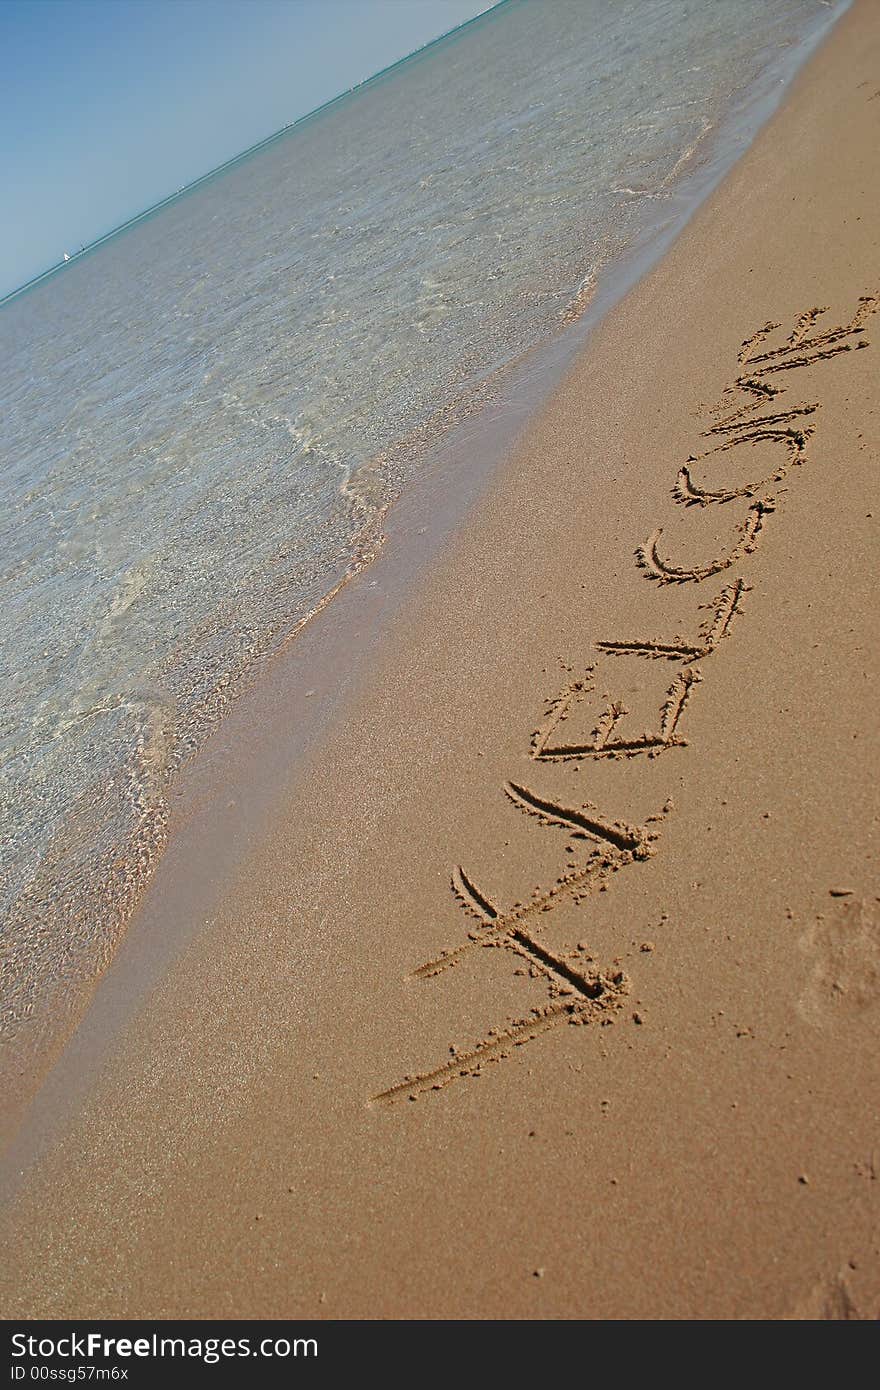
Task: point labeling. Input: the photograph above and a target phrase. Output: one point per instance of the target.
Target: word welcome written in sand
(578, 993)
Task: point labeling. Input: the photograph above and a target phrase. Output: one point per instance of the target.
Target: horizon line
(244, 154)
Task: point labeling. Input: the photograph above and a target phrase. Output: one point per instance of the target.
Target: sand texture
(553, 988)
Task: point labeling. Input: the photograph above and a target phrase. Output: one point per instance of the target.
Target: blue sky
(106, 106)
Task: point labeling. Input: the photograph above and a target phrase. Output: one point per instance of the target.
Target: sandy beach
(545, 982)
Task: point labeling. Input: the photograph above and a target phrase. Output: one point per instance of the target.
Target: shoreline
(293, 1008)
(429, 508)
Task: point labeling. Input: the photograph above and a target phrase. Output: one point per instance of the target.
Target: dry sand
(649, 1085)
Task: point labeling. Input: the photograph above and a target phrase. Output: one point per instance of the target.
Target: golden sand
(553, 988)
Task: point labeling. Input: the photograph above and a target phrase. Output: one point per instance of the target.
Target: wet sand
(617, 760)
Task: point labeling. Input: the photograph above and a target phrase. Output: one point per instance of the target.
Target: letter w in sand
(575, 994)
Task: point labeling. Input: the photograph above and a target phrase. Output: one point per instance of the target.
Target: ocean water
(205, 419)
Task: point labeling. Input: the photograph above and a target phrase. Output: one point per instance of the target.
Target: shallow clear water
(204, 419)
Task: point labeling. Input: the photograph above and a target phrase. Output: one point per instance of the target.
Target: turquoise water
(205, 419)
